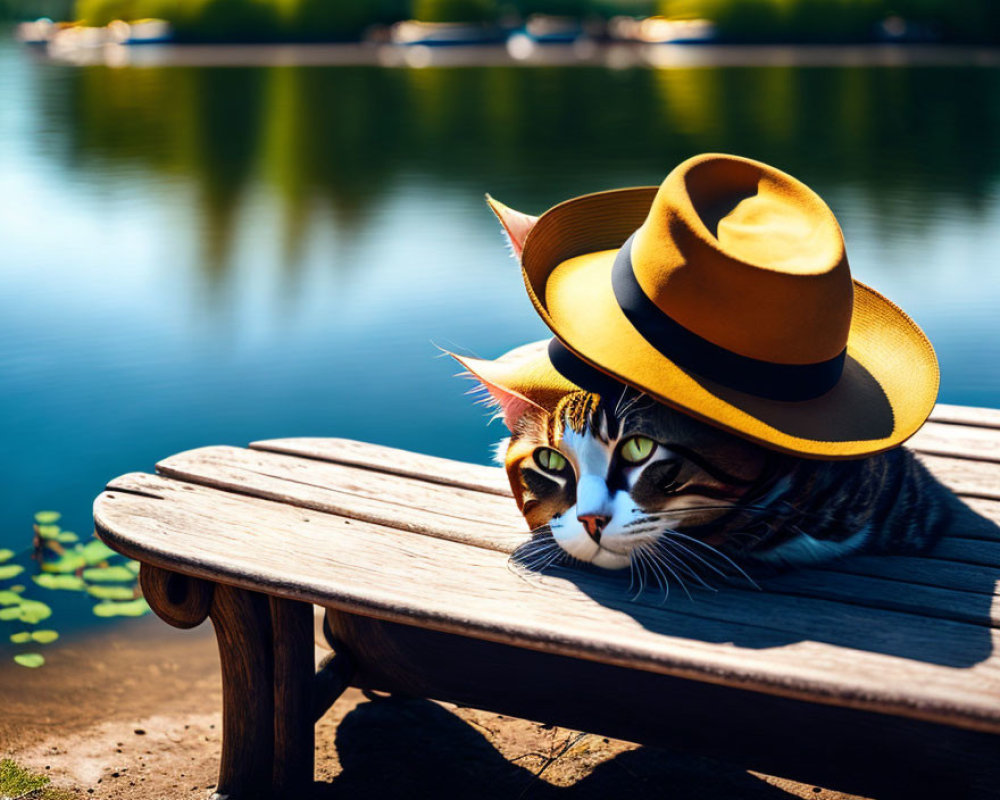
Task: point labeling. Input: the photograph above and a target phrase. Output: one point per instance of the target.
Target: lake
(203, 255)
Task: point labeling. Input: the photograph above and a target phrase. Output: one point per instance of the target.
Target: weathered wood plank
(419, 505)
(425, 507)
(962, 474)
(959, 441)
(804, 647)
(966, 415)
(393, 461)
(965, 477)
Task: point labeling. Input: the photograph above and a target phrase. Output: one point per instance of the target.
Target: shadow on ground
(415, 748)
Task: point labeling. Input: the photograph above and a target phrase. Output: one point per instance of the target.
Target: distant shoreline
(585, 54)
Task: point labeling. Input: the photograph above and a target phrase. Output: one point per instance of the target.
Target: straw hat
(726, 294)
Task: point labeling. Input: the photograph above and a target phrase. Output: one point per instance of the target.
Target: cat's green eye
(637, 449)
(549, 459)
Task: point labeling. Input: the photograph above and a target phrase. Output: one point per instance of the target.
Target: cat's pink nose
(593, 524)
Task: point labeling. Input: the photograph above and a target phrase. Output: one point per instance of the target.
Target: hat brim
(887, 389)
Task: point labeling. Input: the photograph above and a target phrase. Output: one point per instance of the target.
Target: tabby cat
(627, 482)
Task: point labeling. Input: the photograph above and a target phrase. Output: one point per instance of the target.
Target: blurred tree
(454, 10)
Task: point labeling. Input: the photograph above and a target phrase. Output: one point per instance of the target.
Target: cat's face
(611, 481)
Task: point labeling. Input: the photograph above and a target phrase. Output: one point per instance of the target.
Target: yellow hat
(726, 294)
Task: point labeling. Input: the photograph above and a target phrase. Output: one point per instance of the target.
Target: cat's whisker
(721, 555)
(641, 565)
(678, 559)
(631, 571)
(666, 541)
(658, 560)
(657, 572)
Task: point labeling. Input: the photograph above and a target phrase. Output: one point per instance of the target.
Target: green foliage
(454, 10)
(16, 781)
(30, 660)
(131, 608)
(839, 20)
(111, 592)
(47, 580)
(91, 568)
(8, 597)
(251, 20)
(115, 574)
(28, 611)
(739, 20)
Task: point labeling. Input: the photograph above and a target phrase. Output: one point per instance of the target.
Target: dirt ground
(135, 713)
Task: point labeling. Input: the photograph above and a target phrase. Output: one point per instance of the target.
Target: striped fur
(703, 501)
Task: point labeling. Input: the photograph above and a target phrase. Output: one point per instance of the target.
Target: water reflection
(344, 137)
(197, 255)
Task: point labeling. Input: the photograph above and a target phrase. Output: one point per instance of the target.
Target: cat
(628, 482)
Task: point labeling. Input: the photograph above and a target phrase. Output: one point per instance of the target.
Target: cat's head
(610, 479)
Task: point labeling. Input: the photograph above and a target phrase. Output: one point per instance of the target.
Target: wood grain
(180, 600)
(242, 624)
(807, 647)
(959, 441)
(966, 415)
(294, 725)
(393, 461)
(422, 505)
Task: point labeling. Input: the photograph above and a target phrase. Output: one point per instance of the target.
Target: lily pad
(55, 581)
(108, 574)
(69, 561)
(6, 555)
(47, 517)
(132, 608)
(9, 598)
(12, 570)
(95, 551)
(67, 537)
(111, 592)
(20, 638)
(45, 636)
(29, 611)
(30, 660)
(48, 531)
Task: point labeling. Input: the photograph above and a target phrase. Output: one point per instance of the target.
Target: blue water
(193, 256)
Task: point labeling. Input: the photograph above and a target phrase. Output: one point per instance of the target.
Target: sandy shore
(135, 712)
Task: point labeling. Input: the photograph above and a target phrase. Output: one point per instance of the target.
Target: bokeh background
(195, 255)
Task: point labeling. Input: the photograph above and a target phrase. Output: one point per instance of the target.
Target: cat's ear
(514, 223)
(510, 404)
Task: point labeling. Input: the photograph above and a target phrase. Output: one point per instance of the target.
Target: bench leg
(268, 677)
(294, 729)
(242, 623)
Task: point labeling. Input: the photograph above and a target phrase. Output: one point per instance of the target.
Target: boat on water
(662, 30)
(444, 34)
(73, 35)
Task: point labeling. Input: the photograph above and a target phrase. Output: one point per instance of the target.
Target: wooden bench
(878, 675)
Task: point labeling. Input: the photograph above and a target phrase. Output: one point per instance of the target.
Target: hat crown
(748, 258)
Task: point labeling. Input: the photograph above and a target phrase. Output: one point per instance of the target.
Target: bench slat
(805, 647)
(969, 466)
(959, 441)
(966, 415)
(420, 505)
(393, 461)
